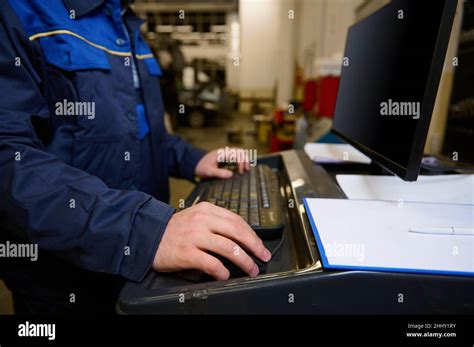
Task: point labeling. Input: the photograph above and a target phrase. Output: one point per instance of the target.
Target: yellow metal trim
(67, 32)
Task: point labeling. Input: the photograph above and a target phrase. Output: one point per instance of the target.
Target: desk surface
(297, 272)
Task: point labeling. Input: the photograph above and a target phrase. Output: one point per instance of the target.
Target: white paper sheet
(335, 153)
(374, 235)
(449, 189)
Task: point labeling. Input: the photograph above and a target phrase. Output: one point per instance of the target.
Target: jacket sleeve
(183, 157)
(60, 208)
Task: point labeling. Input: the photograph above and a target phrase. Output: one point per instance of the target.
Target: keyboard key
(254, 196)
(254, 222)
(222, 203)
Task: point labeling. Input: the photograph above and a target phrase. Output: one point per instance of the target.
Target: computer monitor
(390, 75)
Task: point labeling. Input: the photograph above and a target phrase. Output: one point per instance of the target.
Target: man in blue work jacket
(85, 161)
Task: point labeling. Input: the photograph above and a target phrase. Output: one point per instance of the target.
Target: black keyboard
(253, 195)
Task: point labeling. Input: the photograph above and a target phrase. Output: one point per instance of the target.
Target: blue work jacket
(90, 188)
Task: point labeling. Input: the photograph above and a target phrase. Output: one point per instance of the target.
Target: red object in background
(277, 144)
(327, 95)
(278, 116)
(310, 95)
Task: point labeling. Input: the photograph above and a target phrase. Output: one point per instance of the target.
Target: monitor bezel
(411, 172)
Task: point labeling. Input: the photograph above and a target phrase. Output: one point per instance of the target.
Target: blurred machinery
(191, 40)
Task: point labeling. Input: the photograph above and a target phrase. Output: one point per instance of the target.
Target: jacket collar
(82, 7)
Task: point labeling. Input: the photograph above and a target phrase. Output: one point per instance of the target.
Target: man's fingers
(207, 207)
(235, 228)
(220, 173)
(241, 166)
(229, 249)
(240, 232)
(230, 225)
(242, 162)
(224, 213)
(210, 265)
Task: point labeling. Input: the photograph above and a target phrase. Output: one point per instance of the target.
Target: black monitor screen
(390, 75)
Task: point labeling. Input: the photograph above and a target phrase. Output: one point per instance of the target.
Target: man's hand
(203, 228)
(208, 166)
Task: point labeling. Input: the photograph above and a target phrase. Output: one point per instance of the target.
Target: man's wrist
(194, 157)
(147, 231)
